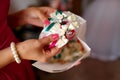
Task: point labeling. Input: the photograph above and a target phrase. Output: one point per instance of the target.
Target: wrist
(15, 52)
(21, 50)
(11, 57)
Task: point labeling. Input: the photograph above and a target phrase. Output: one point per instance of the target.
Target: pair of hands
(34, 49)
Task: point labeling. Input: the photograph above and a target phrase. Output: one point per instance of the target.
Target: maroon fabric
(12, 71)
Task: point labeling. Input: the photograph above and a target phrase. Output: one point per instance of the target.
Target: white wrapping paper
(57, 67)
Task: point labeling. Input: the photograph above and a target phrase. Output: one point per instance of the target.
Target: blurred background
(102, 35)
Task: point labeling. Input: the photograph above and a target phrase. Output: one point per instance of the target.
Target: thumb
(46, 40)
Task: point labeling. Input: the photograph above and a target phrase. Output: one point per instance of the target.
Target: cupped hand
(33, 15)
(36, 15)
(37, 49)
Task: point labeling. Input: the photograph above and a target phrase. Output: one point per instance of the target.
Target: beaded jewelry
(14, 52)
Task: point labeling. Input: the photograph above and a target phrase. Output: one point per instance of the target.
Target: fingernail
(52, 44)
(46, 22)
(55, 37)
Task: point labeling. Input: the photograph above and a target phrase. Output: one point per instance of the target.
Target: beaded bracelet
(14, 52)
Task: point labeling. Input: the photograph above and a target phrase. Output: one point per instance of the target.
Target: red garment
(12, 71)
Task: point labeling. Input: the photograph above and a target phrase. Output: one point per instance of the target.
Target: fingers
(53, 51)
(44, 14)
(48, 39)
(39, 16)
(46, 22)
(50, 52)
(36, 22)
(47, 10)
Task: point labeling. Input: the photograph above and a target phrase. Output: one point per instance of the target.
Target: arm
(6, 57)
(33, 49)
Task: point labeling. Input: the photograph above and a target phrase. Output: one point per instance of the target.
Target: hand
(36, 49)
(34, 15)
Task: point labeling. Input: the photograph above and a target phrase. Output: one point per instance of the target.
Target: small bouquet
(66, 25)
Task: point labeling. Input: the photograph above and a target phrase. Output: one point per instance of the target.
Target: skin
(33, 15)
(33, 49)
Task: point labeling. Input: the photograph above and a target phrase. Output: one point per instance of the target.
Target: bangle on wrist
(14, 52)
